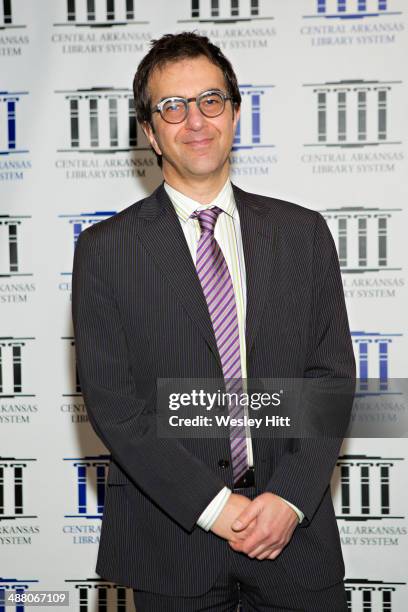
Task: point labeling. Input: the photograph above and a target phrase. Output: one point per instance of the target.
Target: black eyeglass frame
(159, 107)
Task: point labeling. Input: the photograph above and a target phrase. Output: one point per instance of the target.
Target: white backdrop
(324, 124)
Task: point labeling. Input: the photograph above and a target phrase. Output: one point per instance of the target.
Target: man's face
(199, 146)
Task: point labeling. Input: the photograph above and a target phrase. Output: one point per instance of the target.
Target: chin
(205, 167)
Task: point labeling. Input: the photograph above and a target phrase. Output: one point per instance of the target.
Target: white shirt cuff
(214, 509)
(299, 513)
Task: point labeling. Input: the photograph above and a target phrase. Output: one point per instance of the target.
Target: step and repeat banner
(324, 124)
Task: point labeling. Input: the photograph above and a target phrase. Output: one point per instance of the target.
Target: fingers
(275, 553)
(266, 552)
(260, 541)
(260, 552)
(272, 523)
(246, 517)
(245, 533)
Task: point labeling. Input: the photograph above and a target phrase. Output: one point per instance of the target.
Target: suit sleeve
(303, 475)
(178, 482)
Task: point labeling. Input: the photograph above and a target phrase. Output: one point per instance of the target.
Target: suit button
(223, 463)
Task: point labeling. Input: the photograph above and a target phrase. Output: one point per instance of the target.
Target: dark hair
(173, 47)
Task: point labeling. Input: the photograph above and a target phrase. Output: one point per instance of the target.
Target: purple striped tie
(218, 290)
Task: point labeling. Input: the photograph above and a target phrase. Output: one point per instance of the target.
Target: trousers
(241, 587)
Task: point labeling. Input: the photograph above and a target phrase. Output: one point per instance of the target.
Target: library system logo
(232, 24)
(73, 404)
(375, 353)
(6, 15)
(101, 136)
(16, 502)
(367, 240)
(351, 23)
(226, 11)
(13, 498)
(97, 595)
(369, 507)
(87, 478)
(380, 408)
(101, 26)
(70, 230)
(16, 285)
(13, 38)
(253, 151)
(351, 9)
(367, 488)
(354, 127)
(364, 595)
(19, 586)
(17, 356)
(14, 153)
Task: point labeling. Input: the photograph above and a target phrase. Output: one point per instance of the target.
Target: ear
(150, 135)
(236, 115)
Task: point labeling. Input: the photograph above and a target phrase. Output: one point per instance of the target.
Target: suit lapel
(163, 237)
(259, 244)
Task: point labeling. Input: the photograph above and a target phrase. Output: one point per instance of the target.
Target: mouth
(199, 143)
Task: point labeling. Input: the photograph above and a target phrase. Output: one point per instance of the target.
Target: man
(204, 280)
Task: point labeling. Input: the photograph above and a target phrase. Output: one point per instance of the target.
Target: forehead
(185, 77)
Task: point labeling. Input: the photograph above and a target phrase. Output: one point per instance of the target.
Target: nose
(195, 119)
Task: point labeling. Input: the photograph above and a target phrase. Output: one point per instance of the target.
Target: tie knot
(207, 218)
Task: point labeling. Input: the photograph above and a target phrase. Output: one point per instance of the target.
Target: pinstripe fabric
(138, 317)
(239, 582)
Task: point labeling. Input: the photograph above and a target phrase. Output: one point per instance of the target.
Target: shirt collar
(185, 206)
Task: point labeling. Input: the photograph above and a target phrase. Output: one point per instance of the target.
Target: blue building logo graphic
(362, 236)
(97, 595)
(13, 472)
(82, 220)
(10, 106)
(353, 113)
(12, 351)
(371, 595)
(100, 13)
(75, 390)
(372, 355)
(351, 9)
(365, 487)
(89, 478)
(226, 11)
(11, 228)
(101, 120)
(77, 223)
(254, 128)
(18, 586)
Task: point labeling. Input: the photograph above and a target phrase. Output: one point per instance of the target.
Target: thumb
(246, 517)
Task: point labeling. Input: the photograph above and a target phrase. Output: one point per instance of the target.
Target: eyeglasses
(174, 110)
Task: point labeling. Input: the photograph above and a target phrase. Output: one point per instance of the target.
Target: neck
(201, 189)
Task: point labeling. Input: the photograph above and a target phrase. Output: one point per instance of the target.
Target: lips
(199, 143)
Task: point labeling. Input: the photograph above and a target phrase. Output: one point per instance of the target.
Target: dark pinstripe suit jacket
(139, 314)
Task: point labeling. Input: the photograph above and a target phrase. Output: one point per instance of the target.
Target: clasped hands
(260, 528)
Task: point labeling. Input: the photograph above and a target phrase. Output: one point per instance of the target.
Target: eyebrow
(186, 97)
